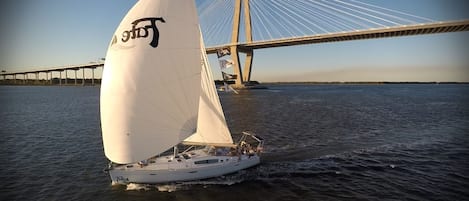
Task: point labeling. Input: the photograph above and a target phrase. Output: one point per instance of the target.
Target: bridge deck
(55, 69)
(407, 30)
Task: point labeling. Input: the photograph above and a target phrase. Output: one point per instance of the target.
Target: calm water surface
(324, 142)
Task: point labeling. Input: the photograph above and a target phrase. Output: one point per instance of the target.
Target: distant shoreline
(88, 82)
(356, 83)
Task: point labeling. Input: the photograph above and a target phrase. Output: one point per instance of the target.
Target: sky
(48, 33)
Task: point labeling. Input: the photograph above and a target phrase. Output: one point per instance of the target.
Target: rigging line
(342, 16)
(321, 18)
(289, 18)
(259, 28)
(222, 22)
(223, 29)
(207, 7)
(256, 11)
(288, 22)
(215, 33)
(273, 19)
(280, 22)
(334, 23)
(379, 13)
(254, 21)
(309, 15)
(220, 18)
(290, 6)
(285, 19)
(309, 12)
(354, 15)
(366, 14)
(315, 19)
(207, 22)
(212, 23)
(223, 25)
(395, 11)
(321, 12)
(270, 22)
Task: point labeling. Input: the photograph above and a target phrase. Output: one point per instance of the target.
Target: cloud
(358, 74)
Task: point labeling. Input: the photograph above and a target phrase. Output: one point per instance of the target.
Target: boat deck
(190, 159)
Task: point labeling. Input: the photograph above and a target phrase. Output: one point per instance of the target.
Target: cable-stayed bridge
(279, 23)
(243, 26)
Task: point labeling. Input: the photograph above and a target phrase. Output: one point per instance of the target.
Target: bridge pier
(76, 76)
(83, 78)
(234, 48)
(241, 76)
(248, 65)
(66, 77)
(92, 76)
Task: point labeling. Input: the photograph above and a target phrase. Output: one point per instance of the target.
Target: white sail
(211, 125)
(151, 81)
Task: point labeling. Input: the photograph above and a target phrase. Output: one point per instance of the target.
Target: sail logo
(143, 31)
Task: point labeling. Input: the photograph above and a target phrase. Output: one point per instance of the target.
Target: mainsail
(151, 80)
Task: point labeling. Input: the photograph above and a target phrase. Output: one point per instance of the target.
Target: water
(324, 142)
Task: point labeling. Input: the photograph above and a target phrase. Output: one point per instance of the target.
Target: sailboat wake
(172, 187)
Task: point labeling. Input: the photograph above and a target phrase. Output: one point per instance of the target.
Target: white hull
(168, 169)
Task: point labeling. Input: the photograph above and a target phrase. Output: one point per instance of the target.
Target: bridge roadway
(405, 30)
(48, 71)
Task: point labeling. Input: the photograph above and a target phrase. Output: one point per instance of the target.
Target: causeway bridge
(274, 24)
(23, 77)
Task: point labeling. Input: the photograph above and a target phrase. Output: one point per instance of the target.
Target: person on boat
(251, 153)
(233, 152)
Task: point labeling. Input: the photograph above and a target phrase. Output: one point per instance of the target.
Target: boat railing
(258, 139)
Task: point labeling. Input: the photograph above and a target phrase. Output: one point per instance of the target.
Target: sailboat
(161, 116)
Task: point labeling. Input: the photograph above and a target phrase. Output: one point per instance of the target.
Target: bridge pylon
(241, 76)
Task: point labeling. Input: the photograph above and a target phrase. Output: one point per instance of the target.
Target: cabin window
(206, 161)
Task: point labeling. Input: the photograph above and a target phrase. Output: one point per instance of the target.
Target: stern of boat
(252, 142)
